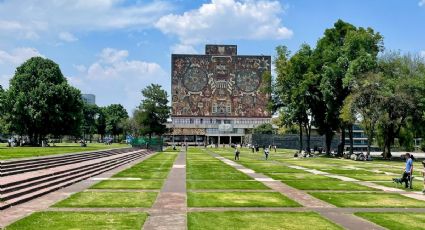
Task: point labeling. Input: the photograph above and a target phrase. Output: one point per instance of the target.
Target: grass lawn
(80, 220)
(60, 148)
(221, 184)
(369, 200)
(156, 167)
(396, 220)
(297, 176)
(327, 185)
(239, 199)
(271, 167)
(373, 177)
(129, 184)
(109, 199)
(258, 221)
(417, 185)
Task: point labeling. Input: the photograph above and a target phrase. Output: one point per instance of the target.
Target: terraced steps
(19, 188)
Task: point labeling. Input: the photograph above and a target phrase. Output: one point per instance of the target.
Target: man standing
(408, 171)
(237, 154)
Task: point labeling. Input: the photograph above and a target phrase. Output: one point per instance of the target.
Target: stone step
(33, 188)
(17, 167)
(47, 187)
(6, 181)
(20, 189)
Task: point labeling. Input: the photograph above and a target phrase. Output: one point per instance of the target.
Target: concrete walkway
(17, 212)
(344, 219)
(170, 208)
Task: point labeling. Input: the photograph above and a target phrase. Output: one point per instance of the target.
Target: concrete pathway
(20, 211)
(170, 208)
(346, 220)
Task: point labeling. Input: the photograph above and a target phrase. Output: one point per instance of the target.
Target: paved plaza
(208, 189)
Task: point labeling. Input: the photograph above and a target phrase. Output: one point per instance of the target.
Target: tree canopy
(40, 101)
(153, 111)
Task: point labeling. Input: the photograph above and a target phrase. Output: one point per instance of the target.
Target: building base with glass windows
(218, 97)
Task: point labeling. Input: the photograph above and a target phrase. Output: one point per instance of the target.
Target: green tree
(342, 55)
(114, 115)
(293, 84)
(153, 111)
(40, 101)
(3, 125)
(266, 128)
(101, 123)
(90, 114)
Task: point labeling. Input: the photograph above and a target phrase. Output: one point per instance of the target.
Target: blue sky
(114, 48)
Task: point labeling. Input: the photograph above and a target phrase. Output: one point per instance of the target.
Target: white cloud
(113, 78)
(18, 55)
(9, 60)
(422, 53)
(183, 49)
(421, 3)
(28, 19)
(67, 36)
(227, 19)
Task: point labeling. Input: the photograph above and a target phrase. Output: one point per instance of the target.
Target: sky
(115, 48)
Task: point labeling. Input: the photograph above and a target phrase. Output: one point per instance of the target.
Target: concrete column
(218, 143)
(230, 140)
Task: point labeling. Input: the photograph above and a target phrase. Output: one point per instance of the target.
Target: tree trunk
(350, 134)
(387, 143)
(308, 134)
(342, 141)
(328, 136)
(301, 137)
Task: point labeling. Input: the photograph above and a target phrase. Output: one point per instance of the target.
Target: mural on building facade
(219, 85)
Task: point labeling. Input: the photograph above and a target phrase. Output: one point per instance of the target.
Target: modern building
(218, 97)
(89, 98)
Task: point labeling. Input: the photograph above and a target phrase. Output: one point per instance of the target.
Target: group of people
(407, 177)
(256, 148)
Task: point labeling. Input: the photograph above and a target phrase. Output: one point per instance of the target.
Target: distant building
(217, 96)
(89, 98)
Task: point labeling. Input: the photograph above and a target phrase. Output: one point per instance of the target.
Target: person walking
(237, 154)
(407, 171)
(266, 153)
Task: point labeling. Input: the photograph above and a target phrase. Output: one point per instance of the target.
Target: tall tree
(293, 84)
(341, 55)
(90, 114)
(114, 115)
(40, 101)
(153, 111)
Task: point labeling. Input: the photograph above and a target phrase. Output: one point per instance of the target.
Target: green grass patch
(258, 221)
(417, 185)
(156, 167)
(239, 199)
(297, 176)
(61, 148)
(222, 184)
(129, 184)
(369, 200)
(92, 199)
(80, 220)
(373, 177)
(327, 185)
(396, 220)
(271, 168)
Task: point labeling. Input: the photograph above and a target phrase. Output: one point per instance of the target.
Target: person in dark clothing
(237, 154)
(407, 172)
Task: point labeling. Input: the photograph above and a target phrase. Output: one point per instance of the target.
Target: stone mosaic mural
(219, 84)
